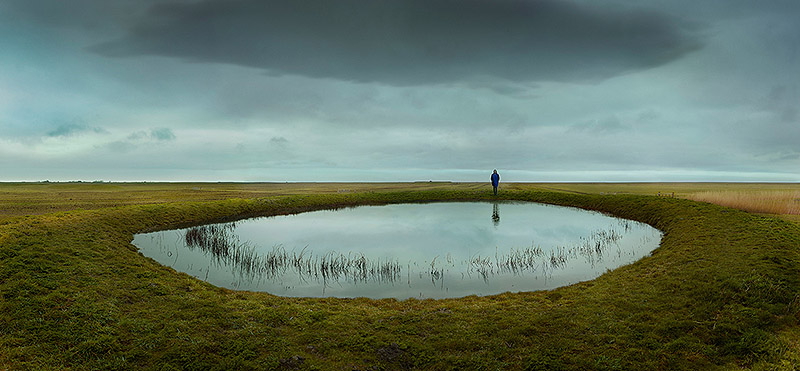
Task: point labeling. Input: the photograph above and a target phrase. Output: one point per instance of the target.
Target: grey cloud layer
(686, 99)
(67, 130)
(411, 42)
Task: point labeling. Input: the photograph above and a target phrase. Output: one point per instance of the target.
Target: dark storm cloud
(89, 15)
(412, 42)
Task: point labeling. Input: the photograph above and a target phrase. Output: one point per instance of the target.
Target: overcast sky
(400, 90)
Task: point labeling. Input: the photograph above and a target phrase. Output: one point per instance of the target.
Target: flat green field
(720, 292)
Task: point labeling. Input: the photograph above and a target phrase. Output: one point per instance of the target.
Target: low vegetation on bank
(721, 290)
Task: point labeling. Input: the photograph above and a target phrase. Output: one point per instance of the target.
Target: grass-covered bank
(74, 293)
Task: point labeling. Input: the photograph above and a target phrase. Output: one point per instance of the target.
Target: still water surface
(436, 250)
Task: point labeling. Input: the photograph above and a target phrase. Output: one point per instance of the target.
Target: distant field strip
(771, 202)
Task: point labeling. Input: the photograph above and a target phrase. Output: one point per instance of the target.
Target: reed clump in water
(533, 258)
(223, 244)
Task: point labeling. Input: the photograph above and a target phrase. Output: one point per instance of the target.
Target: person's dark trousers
(495, 190)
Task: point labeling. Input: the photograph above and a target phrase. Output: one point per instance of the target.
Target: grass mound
(74, 293)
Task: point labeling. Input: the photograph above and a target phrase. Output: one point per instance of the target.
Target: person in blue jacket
(495, 181)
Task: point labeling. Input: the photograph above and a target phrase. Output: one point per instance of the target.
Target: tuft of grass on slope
(721, 290)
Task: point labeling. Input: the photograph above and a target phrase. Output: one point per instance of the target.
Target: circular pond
(436, 250)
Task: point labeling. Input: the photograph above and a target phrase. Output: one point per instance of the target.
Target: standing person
(495, 181)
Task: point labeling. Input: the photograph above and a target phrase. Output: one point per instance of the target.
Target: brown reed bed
(767, 202)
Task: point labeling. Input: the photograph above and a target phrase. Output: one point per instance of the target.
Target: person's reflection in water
(496, 214)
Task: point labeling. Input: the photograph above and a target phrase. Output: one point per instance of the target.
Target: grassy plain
(40, 198)
(720, 291)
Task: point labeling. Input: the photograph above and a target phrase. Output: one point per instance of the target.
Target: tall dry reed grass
(771, 202)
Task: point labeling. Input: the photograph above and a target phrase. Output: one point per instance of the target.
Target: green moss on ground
(721, 291)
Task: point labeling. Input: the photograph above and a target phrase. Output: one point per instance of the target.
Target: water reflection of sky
(415, 236)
